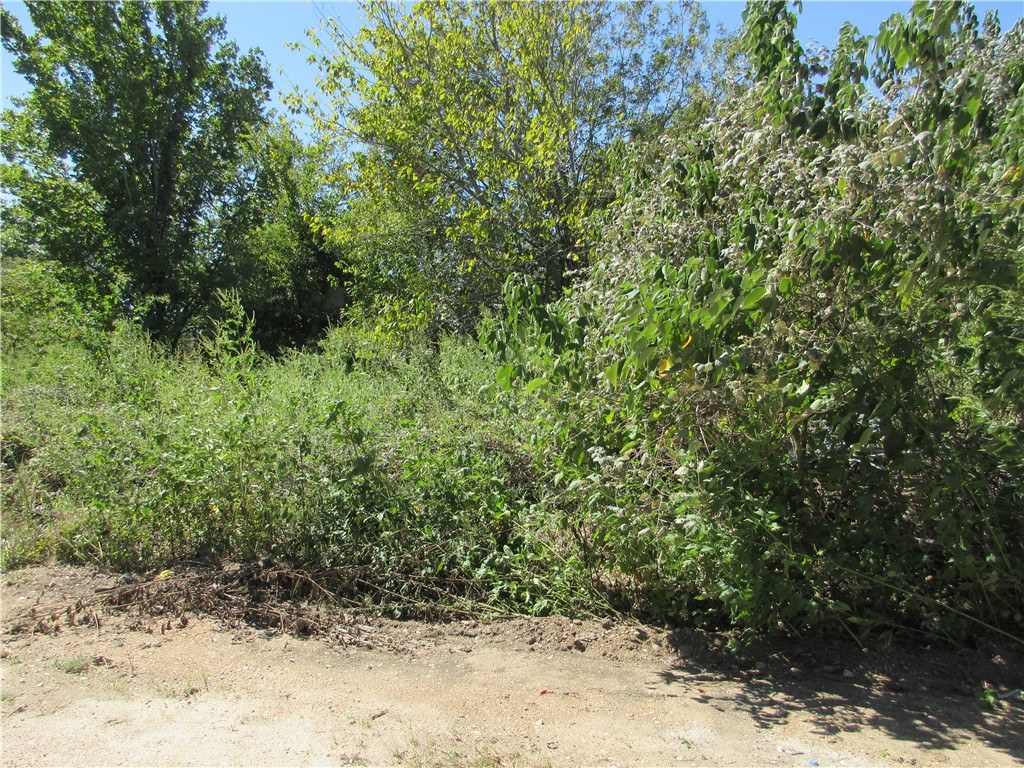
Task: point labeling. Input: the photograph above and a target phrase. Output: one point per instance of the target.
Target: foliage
(138, 112)
(48, 213)
(478, 134)
(285, 271)
(391, 474)
(789, 391)
(39, 308)
(786, 392)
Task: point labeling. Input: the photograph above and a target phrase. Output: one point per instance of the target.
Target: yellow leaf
(689, 338)
(664, 366)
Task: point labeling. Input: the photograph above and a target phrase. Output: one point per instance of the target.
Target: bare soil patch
(215, 668)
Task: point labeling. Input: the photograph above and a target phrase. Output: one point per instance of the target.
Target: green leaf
(753, 297)
(536, 384)
(611, 373)
(907, 282)
(505, 376)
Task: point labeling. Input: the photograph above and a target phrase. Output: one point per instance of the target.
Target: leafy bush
(789, 391)
(40, 309)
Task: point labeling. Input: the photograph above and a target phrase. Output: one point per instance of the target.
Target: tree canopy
(478, 133)
(141, 109)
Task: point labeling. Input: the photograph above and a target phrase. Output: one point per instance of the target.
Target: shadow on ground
(928, 698)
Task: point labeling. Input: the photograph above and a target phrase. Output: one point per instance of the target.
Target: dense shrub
(789, 391)
(786, 393)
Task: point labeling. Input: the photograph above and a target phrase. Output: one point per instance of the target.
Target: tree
(48, 213)
(489, 122)
(143, 106)
(284, 269)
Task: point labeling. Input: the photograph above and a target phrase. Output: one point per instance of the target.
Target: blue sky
(271, 24)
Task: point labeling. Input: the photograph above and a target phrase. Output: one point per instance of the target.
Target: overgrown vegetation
(784, 394)
(789, 391)
(397, 469)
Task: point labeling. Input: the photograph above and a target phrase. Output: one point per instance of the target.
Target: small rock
(848, 674)
(580, 644)
(606, 624)
(552, 745)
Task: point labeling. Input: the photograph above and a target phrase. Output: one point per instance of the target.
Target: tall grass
(393, 469)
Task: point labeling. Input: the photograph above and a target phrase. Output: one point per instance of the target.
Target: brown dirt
(120, 686)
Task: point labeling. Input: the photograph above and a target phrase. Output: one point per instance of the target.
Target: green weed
(75, 665)
(394, 469)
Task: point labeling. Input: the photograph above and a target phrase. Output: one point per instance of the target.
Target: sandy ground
(517, 692)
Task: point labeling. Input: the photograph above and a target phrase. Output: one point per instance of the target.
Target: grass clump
(75, 665)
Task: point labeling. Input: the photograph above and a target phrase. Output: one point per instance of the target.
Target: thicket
(394, 476)
(789, 391)
(785, 390)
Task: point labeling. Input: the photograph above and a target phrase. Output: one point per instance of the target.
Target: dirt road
(508, 693)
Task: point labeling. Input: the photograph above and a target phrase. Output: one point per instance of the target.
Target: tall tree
(489, 122)
(145, 105)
